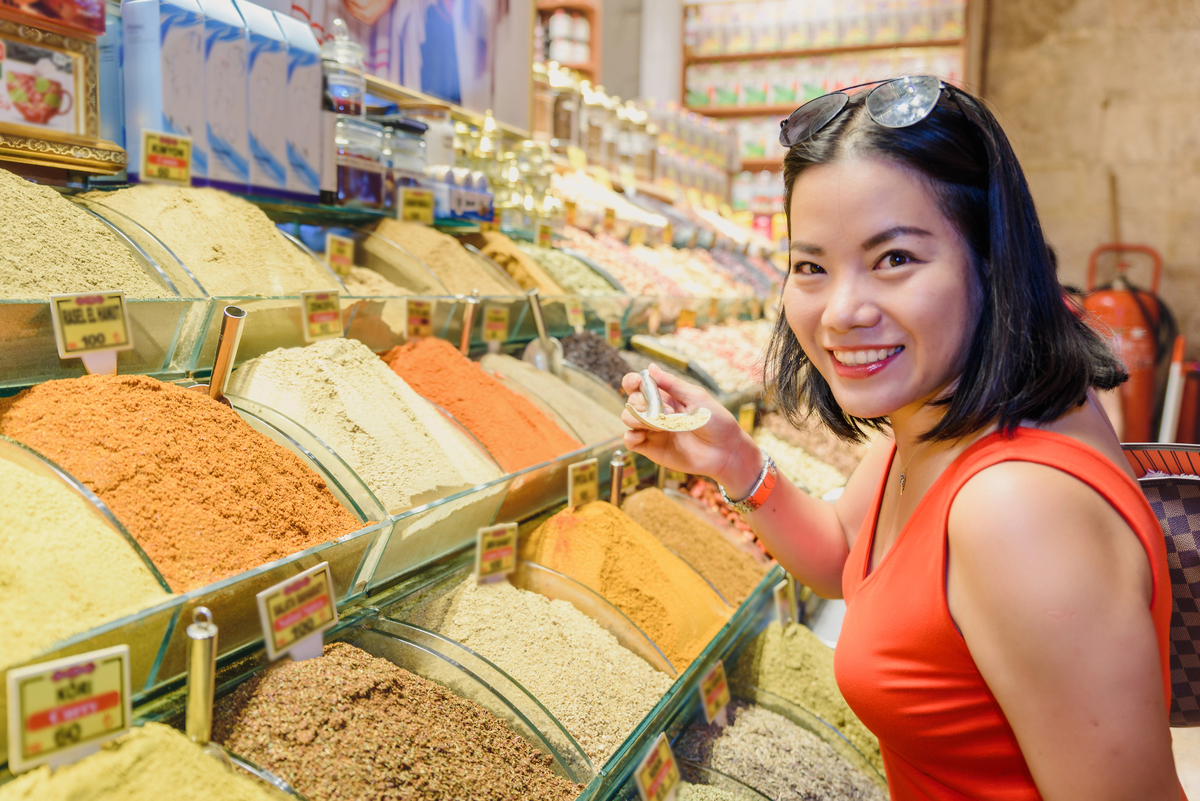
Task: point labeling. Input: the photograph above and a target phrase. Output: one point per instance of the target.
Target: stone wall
(1089, 87)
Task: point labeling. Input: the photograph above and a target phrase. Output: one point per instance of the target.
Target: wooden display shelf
(744, 111)
(590, 69)
(813, 51)
(567, 5)
(758, 165)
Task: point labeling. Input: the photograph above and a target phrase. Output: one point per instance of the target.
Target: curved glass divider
(603, 273)
(694, 773)
(810, 722)
(273, 784)
(520, 389)
(431, 531)
(711, 586)
(497, 272)
(461, 681)
(732, 535)
(504, 685)
(597, 310)
(307, 251)
(645, 315)
(558, 587)
(479, 447)
(541, 486)
(397, 264)
(341, 479)
(593, 387)
(234, 606)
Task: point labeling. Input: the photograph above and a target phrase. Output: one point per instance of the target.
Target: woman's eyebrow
(892, 233)
(804, 247)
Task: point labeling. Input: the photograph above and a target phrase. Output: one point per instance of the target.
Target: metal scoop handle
(654, 407)
(535, 305)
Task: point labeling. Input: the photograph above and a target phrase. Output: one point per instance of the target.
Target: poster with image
(38, 87)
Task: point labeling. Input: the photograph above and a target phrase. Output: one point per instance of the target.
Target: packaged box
(227, 127)
(267, 95)
(304, 86)
(108, 74)
(164, 76)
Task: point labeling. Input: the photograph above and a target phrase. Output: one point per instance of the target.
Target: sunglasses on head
(894, 103)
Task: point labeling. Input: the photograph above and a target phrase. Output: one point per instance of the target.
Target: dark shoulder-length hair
(1031, 358)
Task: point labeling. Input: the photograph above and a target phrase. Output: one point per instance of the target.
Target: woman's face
(881, 293)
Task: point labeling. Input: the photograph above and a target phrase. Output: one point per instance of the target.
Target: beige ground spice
(368, 283)
(56, 547)
(444, 255)
(402, 447)
(600, 547)
(149, 763)
(516, 262)
(733, 572)
(204, 494)
(48, 246)
(352, 726)
(230, 246)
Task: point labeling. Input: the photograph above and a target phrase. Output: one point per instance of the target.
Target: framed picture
(84, 17)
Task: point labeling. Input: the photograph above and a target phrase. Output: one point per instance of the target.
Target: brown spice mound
(205, 494)
(352, 726)
(733, 572)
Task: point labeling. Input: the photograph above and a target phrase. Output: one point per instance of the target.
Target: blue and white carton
(304, 87)
(267, 94)
(227, 126)
(164, 77)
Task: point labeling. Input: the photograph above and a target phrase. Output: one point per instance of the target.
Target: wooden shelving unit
(815, 52)
(592, 12)
(743, 111)
(758, 165)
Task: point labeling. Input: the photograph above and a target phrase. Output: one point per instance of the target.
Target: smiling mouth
(858, 358)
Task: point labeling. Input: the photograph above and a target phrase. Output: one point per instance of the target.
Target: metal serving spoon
(653, 418)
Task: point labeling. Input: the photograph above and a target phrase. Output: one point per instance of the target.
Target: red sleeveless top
(903, 666)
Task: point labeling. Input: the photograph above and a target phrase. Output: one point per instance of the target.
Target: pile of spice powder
(229, 245)
(56, 546)
(146, 764)
(514, 431)
(600, 547)
(818, 440)
(591, 422)
(523, 269)
(538, 641)
(776, 757)
(592, 353)
(806, 471)
(405, 450)
(453, 265)
(733, 572)
(367, 283)
(352, 726)
(50, 246)
(702, 792)
(204, 494)
(793, 664)
(569, 272)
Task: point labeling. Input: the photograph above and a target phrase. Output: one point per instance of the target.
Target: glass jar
(565, 121)
(439, 136)
(345, 81)
(360, 169)
(543, 104)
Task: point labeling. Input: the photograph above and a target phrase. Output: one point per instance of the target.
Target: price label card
(657, 775)
(686, 319)
(569, 207)
(574, 312)
(545, 234)
(629, 474)
(577, 158)
(322, 313)
(583, 482)
(295, 609)
(495, 324)
(339, 253)
(63, 710)
(714, 692)
(416, 205)
(714, 309)
(676, 475)
(746, 417)
(496, 551)
(637, 235)
(602, 177)
(420, 318)
(668, 234)
(610, 219)
(90, 322)
(166, 158)
(612, 332)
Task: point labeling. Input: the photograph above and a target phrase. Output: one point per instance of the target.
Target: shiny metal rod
(650, 393)
(468, 321)
(617, 465)
(202, 675)
(232, 324)
(535, 305)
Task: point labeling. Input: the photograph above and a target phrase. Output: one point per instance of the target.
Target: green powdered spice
(793, 664)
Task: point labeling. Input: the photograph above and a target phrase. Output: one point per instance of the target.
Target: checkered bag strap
(1176, 503)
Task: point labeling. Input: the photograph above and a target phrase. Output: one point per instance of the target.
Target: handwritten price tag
(166, 158)
(687, 319)
(714, 309)
(416, 205)
(322, 313)
(495, 324)
(583, 482)
(575, 313)
(676, 475)
(296, 609)
(569, 208)
(629, 475)
(420, 318)
(339, 253)
(545, 234)
(63, 710)
(496, 551)
(610, 219)
(89, 323)
(612, 332)
(657, 775)
(714, 692)
(746, 417)
(637, 235)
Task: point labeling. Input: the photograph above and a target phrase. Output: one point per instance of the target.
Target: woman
(1007, 595)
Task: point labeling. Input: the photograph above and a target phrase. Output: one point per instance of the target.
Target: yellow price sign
(495, 324)
(629, 474)
(676, 475)
(576, 157)
(657, 775)
(746, 417)
(569, 208)
(420, 318)
(166, 158)
(545, 234)
(686, 319)
(416, 205)
(574, 312)
(339, 253)
(296, 609)
(668, 234)
(583, 482)
(322, 313)
(602, 177)
(637, 235)
(90, 322)
(496, 551)
(612, 332)
(62, 710)
(610, 219)
(628, 179)
(714, 692)
(714, 310)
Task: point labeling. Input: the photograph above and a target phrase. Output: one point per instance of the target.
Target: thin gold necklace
(904, 468)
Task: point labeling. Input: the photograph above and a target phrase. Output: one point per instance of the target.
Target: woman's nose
(850, 304)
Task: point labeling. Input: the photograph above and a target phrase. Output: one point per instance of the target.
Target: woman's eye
(895, 259)
(807, 268)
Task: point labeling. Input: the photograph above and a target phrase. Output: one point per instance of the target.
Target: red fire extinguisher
(1137, 321)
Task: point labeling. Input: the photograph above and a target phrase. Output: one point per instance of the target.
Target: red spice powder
(516, 432)
(204, 494)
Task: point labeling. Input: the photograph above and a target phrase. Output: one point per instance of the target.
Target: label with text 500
(297, 608)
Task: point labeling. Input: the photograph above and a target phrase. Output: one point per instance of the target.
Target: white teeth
(869, 356)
